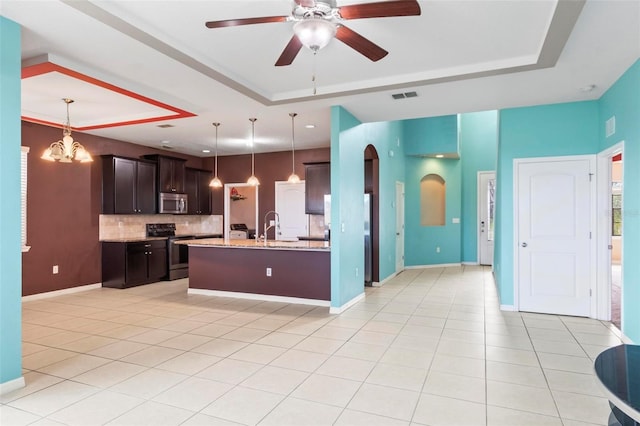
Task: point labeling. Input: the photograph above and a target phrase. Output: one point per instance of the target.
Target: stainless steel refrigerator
(368, 250)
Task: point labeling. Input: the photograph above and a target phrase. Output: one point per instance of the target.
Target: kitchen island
(291, 271)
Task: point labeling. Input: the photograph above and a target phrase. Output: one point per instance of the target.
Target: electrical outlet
(438, 249)
(55, 269)
(272, 223)
(268, 272)
(356, 272)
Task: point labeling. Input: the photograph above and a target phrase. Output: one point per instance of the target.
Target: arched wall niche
(432, 200)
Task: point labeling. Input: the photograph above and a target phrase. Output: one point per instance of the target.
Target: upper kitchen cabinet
(128, 186)
(317, 183)
(198, 191)
(171, 173)
(433, 136)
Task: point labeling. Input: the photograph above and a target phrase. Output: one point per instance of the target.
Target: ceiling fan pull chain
(313, 72)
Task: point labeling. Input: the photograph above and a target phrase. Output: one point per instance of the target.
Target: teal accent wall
(10, 248)
(421, 241)
(622, 100)
(540, 131)
(478, 152)
(432, 135)
(349, 138)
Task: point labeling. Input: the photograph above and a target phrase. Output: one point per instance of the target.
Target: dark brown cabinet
(198, 191)
(171, 173)
(128, 264)
(317, 178)
(128, 186)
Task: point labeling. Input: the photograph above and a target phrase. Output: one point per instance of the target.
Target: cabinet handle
(147, 245)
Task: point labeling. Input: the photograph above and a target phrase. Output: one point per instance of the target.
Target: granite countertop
(252, 244)
(131, 239)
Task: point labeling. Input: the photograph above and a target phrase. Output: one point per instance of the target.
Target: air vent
(165, 126)
(610, 126)
(166, 147)
(404, 95)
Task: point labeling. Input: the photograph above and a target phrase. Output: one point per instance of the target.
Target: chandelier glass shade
(293, 178)
(253, 180)
(66, 149)
(216, 182)
(314, 33)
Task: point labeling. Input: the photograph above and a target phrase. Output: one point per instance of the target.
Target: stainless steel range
(177, 254)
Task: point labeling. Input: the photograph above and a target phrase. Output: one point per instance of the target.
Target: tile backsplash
(316, 225)
(113, 226)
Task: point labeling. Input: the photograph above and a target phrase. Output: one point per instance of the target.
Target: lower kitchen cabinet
(127, 264)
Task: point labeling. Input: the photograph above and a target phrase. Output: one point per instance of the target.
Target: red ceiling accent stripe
(47, 67)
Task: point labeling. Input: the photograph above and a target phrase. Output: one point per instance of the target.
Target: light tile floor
(430, 347)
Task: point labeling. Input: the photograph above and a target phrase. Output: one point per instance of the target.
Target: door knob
(523, 244)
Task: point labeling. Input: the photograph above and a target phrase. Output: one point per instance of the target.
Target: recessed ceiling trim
(39, 69)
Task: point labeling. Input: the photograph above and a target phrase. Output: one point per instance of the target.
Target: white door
(486, 208)
(290, 207)
(555, 217)
(399, 226)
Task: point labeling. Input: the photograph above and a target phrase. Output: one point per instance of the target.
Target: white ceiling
(459, 56)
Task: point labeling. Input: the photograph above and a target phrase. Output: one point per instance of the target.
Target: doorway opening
(616, 239)
(486, 209)
(371, 187)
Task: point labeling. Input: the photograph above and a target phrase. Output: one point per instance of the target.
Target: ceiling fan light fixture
(315, 33)
(67, 149)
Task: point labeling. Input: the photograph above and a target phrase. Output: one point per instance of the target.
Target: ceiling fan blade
(245, 21)
(381, 9)
(306, 3)
(290, 52)
(360, 44)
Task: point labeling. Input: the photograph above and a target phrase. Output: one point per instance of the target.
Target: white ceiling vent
(610, 126)
(404, 95)
(165, 126)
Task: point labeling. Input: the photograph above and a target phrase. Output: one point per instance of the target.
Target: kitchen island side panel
(294, 273)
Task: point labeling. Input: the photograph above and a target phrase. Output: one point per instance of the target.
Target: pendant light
(66, 149)
(253, 180)
(293, 178)
(216, 182)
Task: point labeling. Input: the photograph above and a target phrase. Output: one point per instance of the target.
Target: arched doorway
(371, 187)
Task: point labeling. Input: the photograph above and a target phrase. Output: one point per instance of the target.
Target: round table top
(618, 369)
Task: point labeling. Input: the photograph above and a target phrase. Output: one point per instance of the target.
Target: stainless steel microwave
(173, 203)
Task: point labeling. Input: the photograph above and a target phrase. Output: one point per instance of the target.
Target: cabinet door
(158, 262)
(317, 184)
(191, 188)
(178, 175)
(165, 174)
(204, 192)
(146, 188)
(124, 181)
(136, 263)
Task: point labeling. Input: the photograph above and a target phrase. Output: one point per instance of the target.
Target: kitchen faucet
(277, 225)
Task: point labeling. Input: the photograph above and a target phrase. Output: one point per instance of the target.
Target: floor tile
(15, 417)
(300, 360)
(260, 354)
(566, 363)
(281, 340)
(407, 358)
(498, 416)
(193, 394)
(189, 363)
(585, 408)
(148, 384)
(519, 397)
(517, 374)
(246, 334)
(363, 351)
(327, 390)
(230, 371)
(118, 350)
(512, 356)
(34, 381)
(109, 374)
(53, 398)
(294, 411)
(348, 368)
(74, 366)
(319, 345)
(555, 347)
(220, 347)
(152, 356)
(397, 376)
(358, 418)
(458, 348)
(275, 379)
(567, 381)
(185, 342)
(385, 401)
(243, 405)
(459, 365)
(98, 409)
(441, 411)
(152, 414)
(455, 386)
(46, 357)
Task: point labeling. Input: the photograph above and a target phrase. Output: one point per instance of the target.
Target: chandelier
(67, 149)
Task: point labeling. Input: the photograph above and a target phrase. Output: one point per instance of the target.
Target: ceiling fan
(317, 22)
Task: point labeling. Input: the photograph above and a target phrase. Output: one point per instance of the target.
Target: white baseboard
(509, 308)
(350, 303)
(12, 385)
(471, 263)
(441, 265)
(263, 297)
(64, 291)
(383, 282)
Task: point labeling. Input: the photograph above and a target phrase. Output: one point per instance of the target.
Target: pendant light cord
(293, 148)
(313, 72)
(216, 163)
